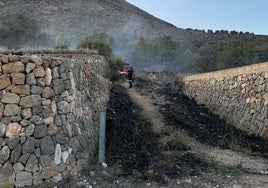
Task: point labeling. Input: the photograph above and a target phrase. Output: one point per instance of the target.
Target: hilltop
(55, 21)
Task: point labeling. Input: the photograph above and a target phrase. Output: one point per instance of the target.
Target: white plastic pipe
(102, 132)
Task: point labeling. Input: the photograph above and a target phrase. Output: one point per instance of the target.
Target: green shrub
(115, 63)
(61, 47)
(103, 49)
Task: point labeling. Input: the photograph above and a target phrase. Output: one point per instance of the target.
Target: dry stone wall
(239, 95)
(49, 117)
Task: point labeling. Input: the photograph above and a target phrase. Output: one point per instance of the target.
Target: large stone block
(24, 179)
(12, 110)
(63, 107)
(18, 78)
(40, 131)
(13, 67)
(28, 146)
(4, 154)
(37, 90)
(4, 81)
(39, 72)
(48, 92)
(45, 160)
(58, 86)
(10, 98)
(12, 142)
(32, 164)
(37, 60)
(21, 90)
(30, 101)
(49, 172)
(13, 129)
(30, 79)
(15, 154)
(26, 113)
(29, 67)
(47, 146)
(4, 59)
(7, 174)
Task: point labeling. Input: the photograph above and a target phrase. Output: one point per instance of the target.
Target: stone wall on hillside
(239, 95)
(49, 117)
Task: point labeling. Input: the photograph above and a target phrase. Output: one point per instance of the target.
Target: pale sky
(238, 15)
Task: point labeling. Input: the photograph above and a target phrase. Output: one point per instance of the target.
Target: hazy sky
(239, 15)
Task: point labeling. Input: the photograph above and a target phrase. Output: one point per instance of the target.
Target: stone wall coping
(218, 75)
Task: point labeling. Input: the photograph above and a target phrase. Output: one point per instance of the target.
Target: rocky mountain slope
(56, 21)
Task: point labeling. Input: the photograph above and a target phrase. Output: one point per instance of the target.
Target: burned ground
(199, 122)
(132, 144)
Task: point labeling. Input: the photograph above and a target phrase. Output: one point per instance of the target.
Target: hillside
(65, 20)
(70, 21)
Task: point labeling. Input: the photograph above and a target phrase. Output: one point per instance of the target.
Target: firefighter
(130, 77)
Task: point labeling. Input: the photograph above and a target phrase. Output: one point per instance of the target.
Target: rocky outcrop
(49, 117)
(239, 96)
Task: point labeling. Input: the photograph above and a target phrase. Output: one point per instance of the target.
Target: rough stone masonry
(238, 95)
(48, 111)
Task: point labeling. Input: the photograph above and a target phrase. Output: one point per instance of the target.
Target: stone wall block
(28, 146)
(2, 129)
(58, 86)
(48, 77)
(39, 72)
(4, 81)
(6, 174)
(32, 164)
(18, 78)
(40, 131)
(10, 98)
(57, 157)
(13, 58)
(29, 67)
(36, 60)
(4, 154)
(49, 172)
(30, 101)
(48, 93)
(29, 130)
(30, 79)
(12, 142)
(4, 59)
(15, 154)
(63, 107)
(47, 146)
(26, 113)
(24, 179)
(37, 90)
(13, 130)
(21, 90)
(2, 107)
(13, 67)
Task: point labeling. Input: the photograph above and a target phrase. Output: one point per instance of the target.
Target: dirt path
(256, 168)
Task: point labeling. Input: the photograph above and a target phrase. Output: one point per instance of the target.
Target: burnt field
(132, 145)
(180, 111)
(142, 157)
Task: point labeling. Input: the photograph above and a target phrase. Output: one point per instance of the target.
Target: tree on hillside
(103, 49)
(236, 53)
(164, 53)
